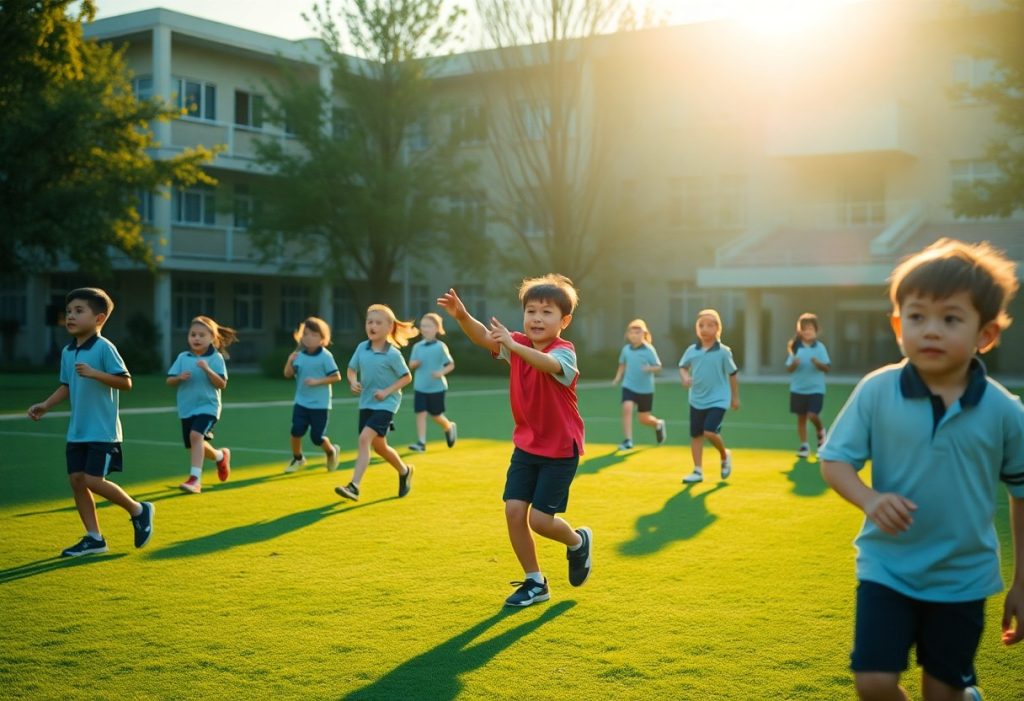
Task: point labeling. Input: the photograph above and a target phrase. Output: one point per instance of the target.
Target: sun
(784, 18)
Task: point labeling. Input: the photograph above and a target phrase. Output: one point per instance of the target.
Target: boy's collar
(699, 345)
(319, 350)
(89, 343)
(210, 350)
(429, 342)
(913, 387)
(812, 344)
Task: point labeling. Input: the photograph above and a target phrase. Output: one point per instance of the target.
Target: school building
(762, 175)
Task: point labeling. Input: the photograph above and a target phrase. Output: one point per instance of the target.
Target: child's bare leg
(520, 535)
(627, 420)
(816, 420)
(196, 452)
(933, 689)
(647, 419)
(801, 427)
(381, 447)
(363, 456)
(209, 452)
(716, 440)
(697, 450)
(442, 421)
(84, 502)
(296, 445)
(553, 528)
(421, 426)
(112, 492)
(326, 445)
(879, 686)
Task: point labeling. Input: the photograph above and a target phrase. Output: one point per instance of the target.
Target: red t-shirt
(547, 417)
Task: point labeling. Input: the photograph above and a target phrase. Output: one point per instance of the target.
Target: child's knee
(710, 435)
(540, 522)
(515, 510)
(875, 685)
(196, 438)
(77, 481)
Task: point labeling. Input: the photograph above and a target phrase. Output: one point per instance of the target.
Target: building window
(144, 206)
(190, 298)
(971, 73)
(295, 305)
(13, 300)
(684, 301)
(966, 174)
(195, 205)
(420, 301)
(474, 298)
(243, 206)
(197, 98)
(248, 109)
(534, 119)
(627, 296)
(343, 123)
(688, 202)
(469, 125)
(142, 87)
(248, 305)
(471, 211)
(346, 319)
(417, 135)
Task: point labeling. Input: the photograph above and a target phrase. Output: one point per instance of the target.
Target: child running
(807, 364)
(377, 373)
(92, 375)
(638, 363)
(548, 435)
(314, 370)
(709, 372)
(200, 374)
(432, 362)
(940, 435)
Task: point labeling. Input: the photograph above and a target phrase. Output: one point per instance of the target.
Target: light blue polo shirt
(948, 462)
(197, 395)
(710, 370)
(313, 365)
(94, 405)
(378, 370)
(807, 379)
(435, 356)
(634, 358)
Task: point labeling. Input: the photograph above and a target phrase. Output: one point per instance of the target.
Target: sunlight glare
(784, 18)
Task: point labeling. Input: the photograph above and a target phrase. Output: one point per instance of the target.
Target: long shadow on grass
(806, 478)
(682, 517)
(435, 673)
(31, 569)
(597, 463)
(256, 532)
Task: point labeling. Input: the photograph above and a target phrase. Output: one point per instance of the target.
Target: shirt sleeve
(175, 368)
(622, 356)
(849, 439)
(330, 364)
(218, 365)
(687, 359)
(654, 356)
(447, 354)
(112, 361)
(567, 359)
(728, 363)
(353, 362)
(790, 358)
(398, 364)
(1012, 469)
(824, 354)
(64, 379)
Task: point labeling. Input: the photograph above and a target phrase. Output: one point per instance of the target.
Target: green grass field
(269, 586)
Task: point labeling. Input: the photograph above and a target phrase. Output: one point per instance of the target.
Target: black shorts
(806, 403)
(314, 420)
(430, 402)
(96, 459)
(542, 482)
(377, 419)
(702, 420)
(644, 402)
(889, 623)
(201, 424)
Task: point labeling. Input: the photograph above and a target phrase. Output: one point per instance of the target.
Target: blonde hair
(438, 321)
(714, 315)
(223, 336)
(401, 331)
(316, 325)
(639, 324)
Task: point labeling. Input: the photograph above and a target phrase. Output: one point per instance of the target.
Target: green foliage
(359, 194)
(73, 141)
(140, 346)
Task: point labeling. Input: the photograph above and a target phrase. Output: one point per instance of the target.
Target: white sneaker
(803, 451)
(693, 477)
(626, 445)
(332, 458)
(727, 465)
(295, 464)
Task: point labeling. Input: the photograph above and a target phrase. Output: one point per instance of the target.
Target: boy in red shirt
(548, 435)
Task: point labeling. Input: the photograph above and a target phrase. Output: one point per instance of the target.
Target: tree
(369, 190)
(548, 149)
(1004, 195)
(73, 142)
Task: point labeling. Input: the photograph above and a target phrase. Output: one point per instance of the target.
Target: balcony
(209, 247)
(881, 128)
(240, 141)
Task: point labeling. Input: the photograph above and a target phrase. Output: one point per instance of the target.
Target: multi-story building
(762, 177)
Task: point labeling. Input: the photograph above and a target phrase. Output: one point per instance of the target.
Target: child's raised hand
(85, 370)
(891, 512)
(185, 376)
(357, 387)
(1013, 611)
(311, 382)
(201, 364)
(795, 361)
(452, 304)
(36, 411)
(292, 357)
(380, 395)
(499, 333)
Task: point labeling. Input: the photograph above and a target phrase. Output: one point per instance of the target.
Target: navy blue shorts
(806, 403)
(201, 424)
(644, 402)
(702, 420)
(96, 459)
(540, 481)
(377, 419)
(315, 420)
(889, 623)
(430, 402)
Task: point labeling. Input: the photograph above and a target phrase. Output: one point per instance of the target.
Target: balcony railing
(240, 141)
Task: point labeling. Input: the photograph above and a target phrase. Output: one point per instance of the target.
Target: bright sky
(283, 17)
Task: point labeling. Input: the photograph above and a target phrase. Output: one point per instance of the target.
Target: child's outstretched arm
(890, 512)
(535, 358)
(619, 373)
(1013, 607)
(475, 330)
(36, 411)
(289, 369)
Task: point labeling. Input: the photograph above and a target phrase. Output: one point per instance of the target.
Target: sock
(535, 576)
(297, 456)
(698, 468)
(578, 545)
(95, 535)
(422, 440)
(218, 454)
(196, 472)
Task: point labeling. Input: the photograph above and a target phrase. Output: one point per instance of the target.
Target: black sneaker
(660, 433)
(579, 559)
(405, 481)
(529, 592)
(86, 546)
(452, 434)
(418, 447)
(143, 524)
(349, 491)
